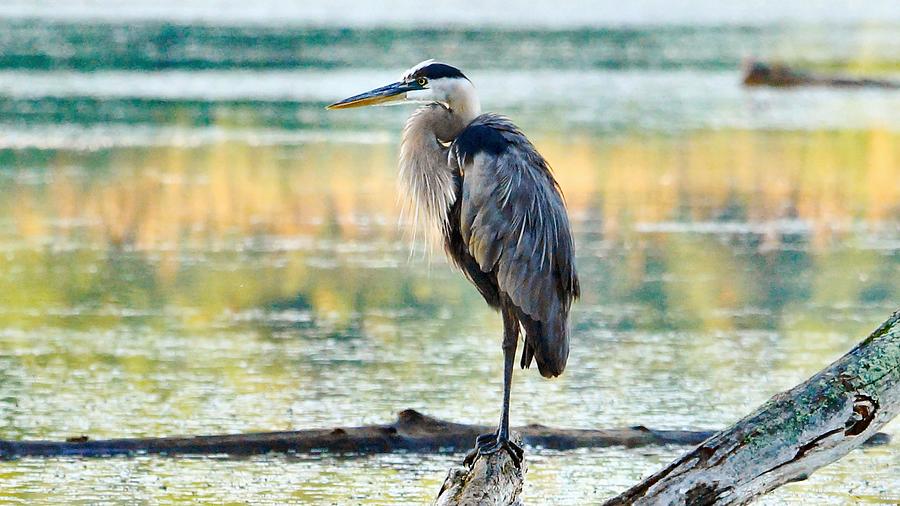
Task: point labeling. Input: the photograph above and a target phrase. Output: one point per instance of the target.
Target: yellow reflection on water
(169, 197)
(320, 220)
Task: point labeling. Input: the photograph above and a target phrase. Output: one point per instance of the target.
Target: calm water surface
(190, 244)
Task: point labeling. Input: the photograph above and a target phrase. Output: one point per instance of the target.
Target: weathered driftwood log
(789, 437)
(782, 76)
(493, 480)
(412, 431)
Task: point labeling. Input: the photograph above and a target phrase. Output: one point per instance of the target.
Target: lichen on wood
(791, 435)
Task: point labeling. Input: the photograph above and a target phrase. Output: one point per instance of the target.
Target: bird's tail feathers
(546, 343)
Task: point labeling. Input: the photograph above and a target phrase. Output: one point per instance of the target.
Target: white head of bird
(427, 82)
(450, 105)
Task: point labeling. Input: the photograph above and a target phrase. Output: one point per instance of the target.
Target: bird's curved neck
(463, 103)
(425, 175)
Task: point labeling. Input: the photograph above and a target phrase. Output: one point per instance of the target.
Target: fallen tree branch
(412, 431)
(789, 437)
(779, 75)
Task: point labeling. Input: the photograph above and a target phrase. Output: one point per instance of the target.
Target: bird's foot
(481, 441)
(488, 444)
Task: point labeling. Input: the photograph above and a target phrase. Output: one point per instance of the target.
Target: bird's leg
(487, 444)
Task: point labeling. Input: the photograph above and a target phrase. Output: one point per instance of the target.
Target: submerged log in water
(412, 431)
(782, 76)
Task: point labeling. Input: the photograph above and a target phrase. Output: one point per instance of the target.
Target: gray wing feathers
(513, 220)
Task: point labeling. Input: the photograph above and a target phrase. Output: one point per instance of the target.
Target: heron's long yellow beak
(395, 92)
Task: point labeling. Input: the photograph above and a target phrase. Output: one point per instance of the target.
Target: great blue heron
(478, 179)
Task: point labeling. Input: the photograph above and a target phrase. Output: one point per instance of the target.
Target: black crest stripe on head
(437, 71)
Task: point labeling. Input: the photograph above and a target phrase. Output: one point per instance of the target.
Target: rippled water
(190, 244)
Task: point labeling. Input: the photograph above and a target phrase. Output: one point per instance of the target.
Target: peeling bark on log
(789, 437)
(782, 76)
(412, 431)
(491, 481)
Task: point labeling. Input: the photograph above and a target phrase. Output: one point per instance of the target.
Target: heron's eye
(422, 81)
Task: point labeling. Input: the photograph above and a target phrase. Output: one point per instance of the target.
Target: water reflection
(707, 230)
(234, 287)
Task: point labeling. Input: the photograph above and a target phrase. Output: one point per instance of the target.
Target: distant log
(789, 437)
(782, 76)
(493, 480)
(412, 432)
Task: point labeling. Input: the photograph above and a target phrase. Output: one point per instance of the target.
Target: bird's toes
(471, 457)
(489, 444)
(486, 439)
(516, 453)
